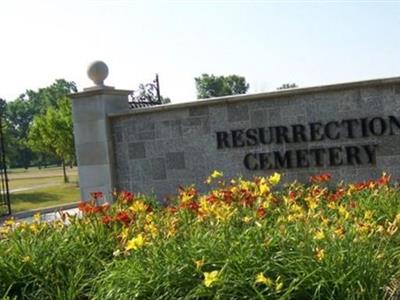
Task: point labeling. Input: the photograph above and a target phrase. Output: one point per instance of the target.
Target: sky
(268, 42)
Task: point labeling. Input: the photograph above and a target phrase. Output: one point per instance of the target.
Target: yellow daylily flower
(149, 217)
(9, 222)
(266, 204)
(223, 212)
(138, 207)
(186, 198)
(332, 205)
(312, 204)
(199, 263)
(247, 219)
(210, 278)
(319, 254)
(264, 189)
(319, 235)
(339, 232)
(344, 212)
(324, 220)
(37, 217)
(397, 218)
(4, 230)
(368, 215)
(26, 258)
(260, 278)
(135, 243)
(275, 178)
(216, 174)
(124, 234)
(263, 186)
(34, 228)
(392, 228)
(152, 229)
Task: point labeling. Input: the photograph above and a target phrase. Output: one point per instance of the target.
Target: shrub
(242, 240)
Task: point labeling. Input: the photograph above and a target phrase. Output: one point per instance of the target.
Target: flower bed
(242, 240)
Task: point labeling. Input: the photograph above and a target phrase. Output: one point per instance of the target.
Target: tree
(216, 86)
(51, 96)
(19, 117)
(286, 86)
(52, 133)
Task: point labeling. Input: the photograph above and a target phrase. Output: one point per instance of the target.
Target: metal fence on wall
(146, 95)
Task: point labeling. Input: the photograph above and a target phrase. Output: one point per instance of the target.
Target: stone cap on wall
(99, 91)
(263, 95)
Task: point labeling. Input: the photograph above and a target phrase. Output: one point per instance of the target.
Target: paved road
(51, 216)
(47, 214)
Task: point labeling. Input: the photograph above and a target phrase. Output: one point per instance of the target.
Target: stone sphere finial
(98, 72)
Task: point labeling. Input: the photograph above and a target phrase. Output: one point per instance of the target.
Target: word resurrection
(340, 155)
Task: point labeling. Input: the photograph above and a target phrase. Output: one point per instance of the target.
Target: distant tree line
(38, 127)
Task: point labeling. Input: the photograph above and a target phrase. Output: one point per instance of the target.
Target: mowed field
(39, 188)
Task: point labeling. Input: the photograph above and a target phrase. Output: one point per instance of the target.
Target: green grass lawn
(45, 197)
(39, 181)
(45, 188)
(34, 172)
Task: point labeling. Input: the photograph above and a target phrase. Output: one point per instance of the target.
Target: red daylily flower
(325, 177)
(106, 220)
(96, 195)
(123, 217)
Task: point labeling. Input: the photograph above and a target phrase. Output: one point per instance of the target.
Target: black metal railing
(5, 205)
(146, 95)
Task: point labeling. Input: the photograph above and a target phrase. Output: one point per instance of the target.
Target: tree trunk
(64, 172)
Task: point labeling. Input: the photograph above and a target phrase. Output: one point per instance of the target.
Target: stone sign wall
(350, 130)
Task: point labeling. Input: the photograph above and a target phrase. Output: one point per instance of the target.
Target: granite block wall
(158, 149)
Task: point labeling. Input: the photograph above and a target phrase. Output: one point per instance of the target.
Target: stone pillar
(92, 134)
